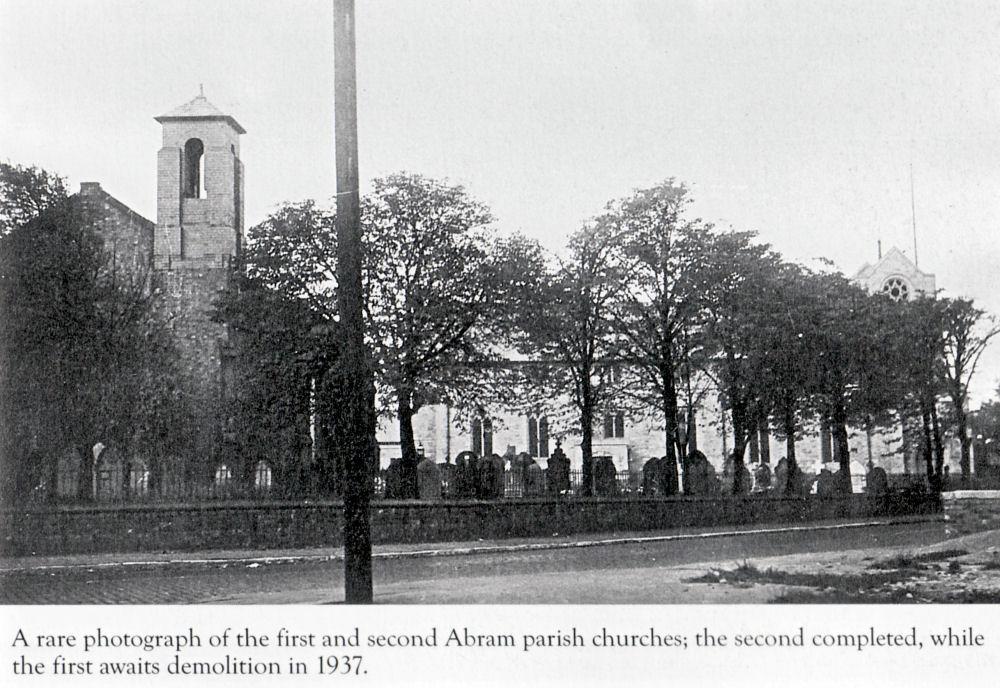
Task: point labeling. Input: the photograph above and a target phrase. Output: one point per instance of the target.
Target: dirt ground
(960, 570)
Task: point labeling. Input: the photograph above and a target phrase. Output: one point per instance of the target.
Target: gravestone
(605, 477)
(762, 477)
(428, 480)
(701, 478)
(464, 476)
(779, 484)
(557, 474)
(533, 480)
(394, 483)
(486, 479)
(826, 484)
(876, 482)
(499, 479)
(651, 478)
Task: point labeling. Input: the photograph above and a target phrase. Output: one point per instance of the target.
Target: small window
(482, 436)
(223, 475)
(538, 437)
(262, 476)
(614, 426)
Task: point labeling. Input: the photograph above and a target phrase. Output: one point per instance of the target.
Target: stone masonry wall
(149, 528)
(970, 511)
(186, 299)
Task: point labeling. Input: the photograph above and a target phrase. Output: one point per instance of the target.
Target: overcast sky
(797, 120)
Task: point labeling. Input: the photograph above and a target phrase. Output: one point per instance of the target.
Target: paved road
(647, 572)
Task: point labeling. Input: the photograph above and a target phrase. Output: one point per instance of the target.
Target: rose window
(896, 288)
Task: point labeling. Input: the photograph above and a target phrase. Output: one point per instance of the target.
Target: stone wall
(127, 236)
(970, 511)
(180, 528)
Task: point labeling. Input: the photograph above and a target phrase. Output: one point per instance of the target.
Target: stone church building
(188, 254)
(191, 251)
(630, 441)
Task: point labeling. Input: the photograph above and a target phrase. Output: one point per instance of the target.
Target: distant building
(897, 276)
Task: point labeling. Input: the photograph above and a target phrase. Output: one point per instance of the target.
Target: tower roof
(199, 109)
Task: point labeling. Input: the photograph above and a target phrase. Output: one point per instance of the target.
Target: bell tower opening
(194, 169)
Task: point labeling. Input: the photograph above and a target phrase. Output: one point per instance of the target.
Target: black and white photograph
(458, 302)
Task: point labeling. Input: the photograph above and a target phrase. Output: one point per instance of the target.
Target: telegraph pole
(355, 441)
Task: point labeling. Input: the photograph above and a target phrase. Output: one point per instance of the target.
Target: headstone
(762, 477)
(651, 478)
(826, 484)
(779, 484)
(499, 479)
(486, 479)
(428, 480)
(876, 482)
(465, 476)
(605, 477)
(557, 474)
(701, 479)
(394, 486)
(533, 480)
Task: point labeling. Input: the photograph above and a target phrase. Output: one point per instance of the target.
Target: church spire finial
(201, 90)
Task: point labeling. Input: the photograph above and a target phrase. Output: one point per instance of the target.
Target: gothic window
(896, 288)
(262, 476)
(223, 475)
(614, 426)
(194, 169)
(482, 436)
(538, 436)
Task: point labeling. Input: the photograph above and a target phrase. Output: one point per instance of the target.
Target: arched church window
(896, 288)
(194, 169)
(262, 476)
(223, 475)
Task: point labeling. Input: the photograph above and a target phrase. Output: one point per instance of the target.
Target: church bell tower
(198, 237)
(199, 199)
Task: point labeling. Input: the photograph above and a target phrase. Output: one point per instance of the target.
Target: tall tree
(736, 284)
(569, 325)
(439, 288)
(657, 311)
(967, 331)
(788, 337)
(25, 193)
(83, 357)
(436, 286)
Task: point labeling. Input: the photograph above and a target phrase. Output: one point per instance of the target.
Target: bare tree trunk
(587, 436)
(764, 440)
(938, 447)
(932, 476)
(408, 445)
(962, 422)
(670, 425)
(740, 437)
(792, 464)
(838, 418)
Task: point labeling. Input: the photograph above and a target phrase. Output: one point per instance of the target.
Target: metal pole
(356, 440)
(913, 219)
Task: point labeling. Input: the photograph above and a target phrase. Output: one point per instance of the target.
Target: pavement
(816, 562)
